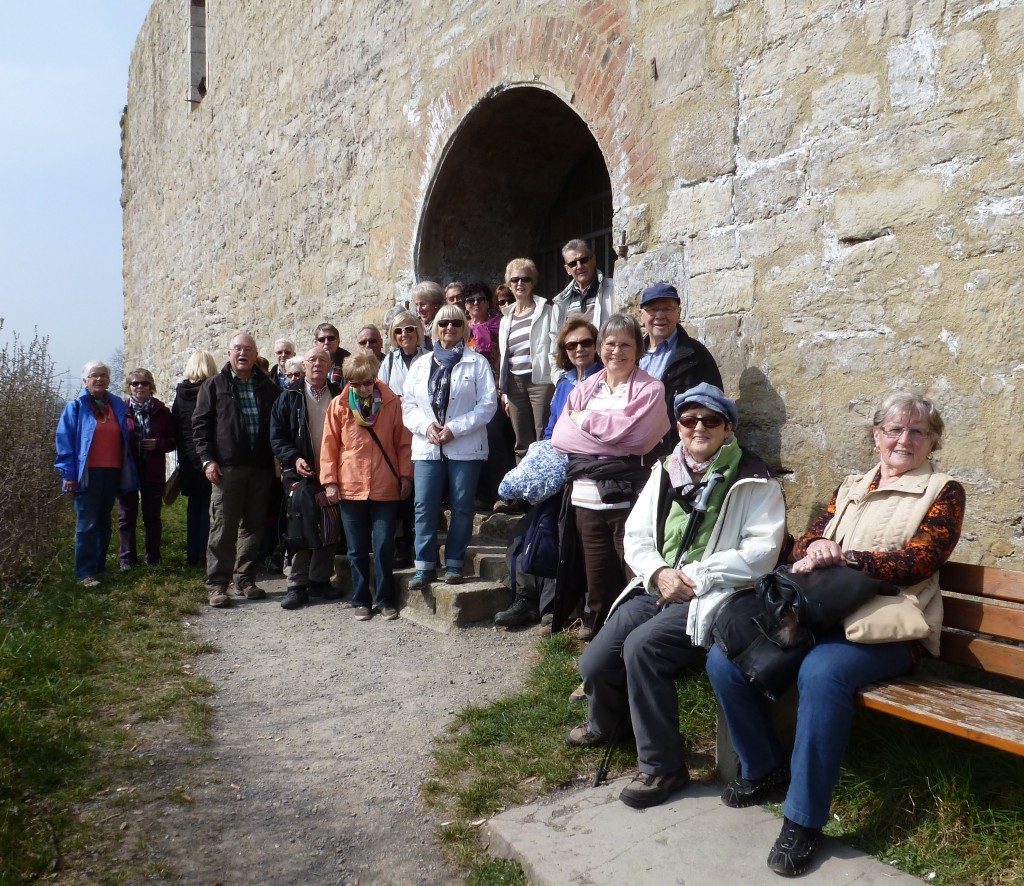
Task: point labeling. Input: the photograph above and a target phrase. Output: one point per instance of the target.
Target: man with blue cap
(670, 355)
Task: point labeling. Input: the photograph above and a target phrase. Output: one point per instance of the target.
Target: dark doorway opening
(521, 177)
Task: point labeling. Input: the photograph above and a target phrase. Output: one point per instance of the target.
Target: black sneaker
(794, 849)
(745, 792)
(296, 597)
(520, 612)
(650, 790)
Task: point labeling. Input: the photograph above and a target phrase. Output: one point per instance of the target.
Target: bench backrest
(983, 621)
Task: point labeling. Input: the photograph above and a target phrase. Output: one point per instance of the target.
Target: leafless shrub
(30, 404)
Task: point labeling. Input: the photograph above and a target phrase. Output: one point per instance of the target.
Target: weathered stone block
(762, 193)
(713, 251)
(722, 292)
(864, 214)
(693, 208)
(664, 264)
(703, 136)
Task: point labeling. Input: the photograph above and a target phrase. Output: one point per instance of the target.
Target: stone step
(445, 608)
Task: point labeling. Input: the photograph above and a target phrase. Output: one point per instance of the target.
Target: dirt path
(322, 736)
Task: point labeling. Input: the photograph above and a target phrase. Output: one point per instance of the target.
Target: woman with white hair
(94, 464)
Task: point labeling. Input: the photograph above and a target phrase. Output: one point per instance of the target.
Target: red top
(107, 445)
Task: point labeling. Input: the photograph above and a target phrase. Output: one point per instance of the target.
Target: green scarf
(364, 411)
(726, 460)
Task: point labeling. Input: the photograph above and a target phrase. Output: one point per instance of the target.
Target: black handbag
(766, 631)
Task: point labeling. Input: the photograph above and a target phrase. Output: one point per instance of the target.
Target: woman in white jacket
(447, 400)
(684, 572)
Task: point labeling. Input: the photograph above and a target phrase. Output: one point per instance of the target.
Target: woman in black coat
(201, 365)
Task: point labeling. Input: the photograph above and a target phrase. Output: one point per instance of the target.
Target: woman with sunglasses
(688, 560)
(577, 358)
(151, 432)
(899, 521)
(447, 401)
(525, 343)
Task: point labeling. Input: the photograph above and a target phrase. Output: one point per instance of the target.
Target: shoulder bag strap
(383, 452)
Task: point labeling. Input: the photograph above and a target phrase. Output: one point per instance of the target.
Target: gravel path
(322, 737)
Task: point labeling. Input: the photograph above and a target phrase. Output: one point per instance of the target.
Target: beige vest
(884, 520)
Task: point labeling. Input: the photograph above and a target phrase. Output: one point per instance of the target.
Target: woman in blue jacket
(92, 457)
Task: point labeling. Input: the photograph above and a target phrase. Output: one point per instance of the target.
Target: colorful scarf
(143, 429)
(439, 386)
(99, 405)
(365, 411)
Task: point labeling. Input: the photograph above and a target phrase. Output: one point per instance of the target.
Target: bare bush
(30, 404)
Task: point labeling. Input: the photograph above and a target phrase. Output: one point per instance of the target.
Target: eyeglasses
(582, 343)
(505, 302)
(515, 281)
(366, 342)
(404, 330)
(582, 260)
(476, 299)
(139, 384)
(894, 432)
(323, 338)
(444, 324)
(361, 384)
(243, 349)
(99, 376)
(709, 421)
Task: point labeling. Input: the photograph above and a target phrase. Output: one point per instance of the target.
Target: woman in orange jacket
(366, 466)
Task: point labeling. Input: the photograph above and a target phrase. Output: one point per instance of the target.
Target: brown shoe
(218, 597)
(585, 633)
(582, 737)
(252, 592)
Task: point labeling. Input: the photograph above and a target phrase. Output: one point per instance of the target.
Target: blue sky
(64, 75)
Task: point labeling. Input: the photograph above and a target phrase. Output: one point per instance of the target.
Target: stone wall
(835, 188)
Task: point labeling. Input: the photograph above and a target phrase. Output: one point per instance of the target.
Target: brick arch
(544, 52)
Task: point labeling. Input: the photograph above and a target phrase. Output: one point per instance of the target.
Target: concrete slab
(587, 836)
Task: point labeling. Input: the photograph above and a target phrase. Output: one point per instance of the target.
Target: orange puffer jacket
(350, 458)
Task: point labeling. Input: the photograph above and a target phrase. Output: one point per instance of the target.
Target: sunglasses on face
(475, 299)
(709, 421)
(505, 302)
(139, 384)
(361, 384)
(582, 260)
(582, 343)
(517, 280)
(324, 338)
(444, 324)
(404, 330)
(366, 342)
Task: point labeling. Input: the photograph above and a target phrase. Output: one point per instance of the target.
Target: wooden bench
(982, 628)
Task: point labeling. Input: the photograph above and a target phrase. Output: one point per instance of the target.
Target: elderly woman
(447, 401)
(365, 465)
(200, 366)
(425, 300)
(688, 560)
(610, 420)
(899, 522)
(94, 464)
(524, 339)
(151, 435)
(578, 359)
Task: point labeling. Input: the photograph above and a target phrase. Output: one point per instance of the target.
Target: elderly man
(589, 293)
(231, 431)
(284, 350)
(680, 362)
(326, 335)
(296, 429)
(370, 339)
(455, 294)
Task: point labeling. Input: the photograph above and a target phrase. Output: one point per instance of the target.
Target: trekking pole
(613, 739)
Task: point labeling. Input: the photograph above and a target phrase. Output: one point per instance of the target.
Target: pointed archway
(522, 175)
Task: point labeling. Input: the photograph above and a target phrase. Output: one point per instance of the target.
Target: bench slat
(974, 652)
(983, 581)
(983, 618)
(987, 717)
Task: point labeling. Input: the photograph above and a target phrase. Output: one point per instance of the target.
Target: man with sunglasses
(589, 293)
(670, 355)
(370, 339)
(326, 336)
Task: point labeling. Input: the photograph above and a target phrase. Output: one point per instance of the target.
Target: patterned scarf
(143, 420)
(364, 411)
(439, 387)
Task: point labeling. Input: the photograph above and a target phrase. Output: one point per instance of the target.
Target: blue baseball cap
(659, 290)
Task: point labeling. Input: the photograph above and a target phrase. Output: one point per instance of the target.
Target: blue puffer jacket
(74, 437)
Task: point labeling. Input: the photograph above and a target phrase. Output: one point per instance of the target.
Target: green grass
(928, 803)
(83, 672)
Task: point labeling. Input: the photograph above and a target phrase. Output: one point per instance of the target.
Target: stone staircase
(481, 594)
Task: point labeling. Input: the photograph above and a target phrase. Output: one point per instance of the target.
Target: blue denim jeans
(829, 676)
(93, 525)
(434, 480)
(370, 526)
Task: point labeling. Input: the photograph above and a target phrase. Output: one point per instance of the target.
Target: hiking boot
(389, 613)
(90, 582)
(421, 579)
(296, 597)
(578, 694)
(743, 792)
(794, 849)
(252, 592)
(362, 613)
(650, 790)
(218, 597)
(520, 612)
(585, 633)
(453, 575)
(582, 737)
(547, 618)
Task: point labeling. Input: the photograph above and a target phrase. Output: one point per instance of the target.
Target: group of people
(663, 516)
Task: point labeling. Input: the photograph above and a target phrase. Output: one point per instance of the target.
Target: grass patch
(937, 807)
(84, 674)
